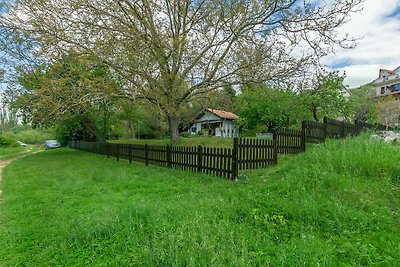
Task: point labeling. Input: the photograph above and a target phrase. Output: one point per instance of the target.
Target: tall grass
(337, 204)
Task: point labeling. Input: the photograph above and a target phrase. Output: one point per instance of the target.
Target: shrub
(185, 134)
(33, 136)
(201, 133)
(30, 136)
(7, 142)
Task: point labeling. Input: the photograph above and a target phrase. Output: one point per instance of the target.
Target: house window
(193, 129)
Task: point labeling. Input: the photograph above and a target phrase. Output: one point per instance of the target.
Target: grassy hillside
(337, 204)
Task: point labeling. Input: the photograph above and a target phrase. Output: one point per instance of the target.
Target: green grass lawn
(12, 152)
(336, 205)
(190, 141)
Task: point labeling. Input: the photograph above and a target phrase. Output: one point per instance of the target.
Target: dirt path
(3, 164)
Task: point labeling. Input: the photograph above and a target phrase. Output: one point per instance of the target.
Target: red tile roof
(391, 72)
(223, 114)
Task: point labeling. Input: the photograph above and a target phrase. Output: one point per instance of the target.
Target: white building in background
(388, 83)
(215, 122)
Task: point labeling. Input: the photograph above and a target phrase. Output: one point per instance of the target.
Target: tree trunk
(93, 130)
(173, 123)
(131, 130)
(315, 115)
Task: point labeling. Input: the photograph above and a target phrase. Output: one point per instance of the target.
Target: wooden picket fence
(246, 153)
(255, 153)
(374, 127)
(340, 129)
(289, 141)
(314, 132)
(317, 132)
(226, 162)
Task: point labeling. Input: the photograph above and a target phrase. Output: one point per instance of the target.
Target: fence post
(342, 130)
(275, 150)
(117, 152)
(235, 164)
(199, 158)
(358, 127)
(130, 153)
(275, 140)
(325, 128)
(303, 136)
(169, 163)
(146, 154)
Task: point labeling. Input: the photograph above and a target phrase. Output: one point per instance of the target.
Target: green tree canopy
(172, 51)
(326, 96)
(362, 104)
(75, 88)
(271, 107)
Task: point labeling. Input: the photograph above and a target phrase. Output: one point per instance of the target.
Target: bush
(33, 136)
(185, 134)
(201, 133)
(73, 130)
(7, 142)
(30, 136)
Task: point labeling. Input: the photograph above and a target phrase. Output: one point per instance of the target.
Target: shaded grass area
(338, 204)
(188, 141)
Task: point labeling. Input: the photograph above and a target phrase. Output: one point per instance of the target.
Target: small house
(215, 122)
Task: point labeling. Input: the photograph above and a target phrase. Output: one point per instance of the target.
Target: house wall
(388, 87)
(218, 132)
(209, 117)
(194, 128)
(387, 82)
(230, 129)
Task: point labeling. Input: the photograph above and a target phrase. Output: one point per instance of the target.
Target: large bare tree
(171, 51)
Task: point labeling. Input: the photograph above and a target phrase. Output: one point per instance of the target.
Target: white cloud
(379, 46)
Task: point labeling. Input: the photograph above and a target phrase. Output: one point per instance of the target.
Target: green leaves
(6, 142)
(273, 108)
(75, 88)
(170, 52)
(326, 97)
